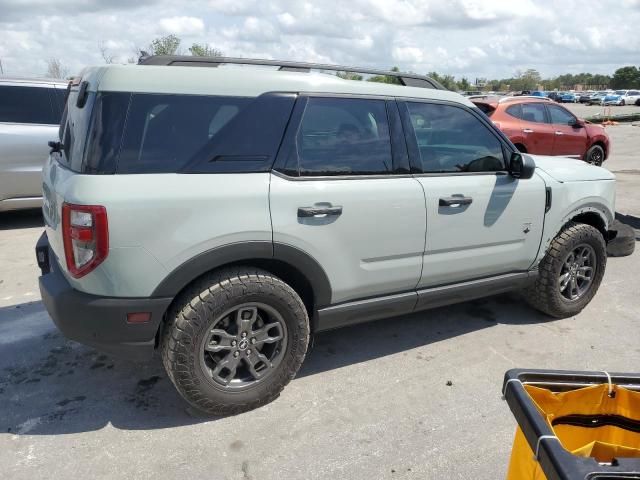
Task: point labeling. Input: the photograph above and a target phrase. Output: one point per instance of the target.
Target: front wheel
(234, 340)
(622, 103)
(595, 155)
(570, 273)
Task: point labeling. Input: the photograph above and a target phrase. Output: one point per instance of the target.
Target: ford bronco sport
(223, 215)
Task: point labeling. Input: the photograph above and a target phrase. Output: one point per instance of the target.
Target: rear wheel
(234, 340)
(595, 155)
(570, 273)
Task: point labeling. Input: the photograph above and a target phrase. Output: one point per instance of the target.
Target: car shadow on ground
(632, 221)
(50, 385)
(21, 219)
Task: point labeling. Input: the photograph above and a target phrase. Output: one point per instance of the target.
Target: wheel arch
(294, 266)
(593, 218)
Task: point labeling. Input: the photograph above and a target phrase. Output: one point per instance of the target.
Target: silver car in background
(30, 111)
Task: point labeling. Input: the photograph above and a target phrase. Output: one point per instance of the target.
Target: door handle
(319, 211)
(454, 201)
(559, 133)
(527, 130)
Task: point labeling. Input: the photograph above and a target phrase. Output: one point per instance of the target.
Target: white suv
(223, 215)
(30, 111)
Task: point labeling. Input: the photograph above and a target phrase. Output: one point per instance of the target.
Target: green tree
(626, 77)
(204, 50)
(349, 75)
(527, 80)
(167, 45)
(447, 81)
(386, 78)
(464, 84)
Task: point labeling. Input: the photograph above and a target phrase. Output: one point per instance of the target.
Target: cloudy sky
(475, 38)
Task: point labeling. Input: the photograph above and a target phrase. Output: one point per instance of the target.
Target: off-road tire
(624, 243)
(544, 294)
(189, 320)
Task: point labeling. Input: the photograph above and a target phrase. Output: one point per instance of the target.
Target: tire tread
(543, 294)
(191, 309)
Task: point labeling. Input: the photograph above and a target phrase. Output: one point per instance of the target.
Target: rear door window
(27, 104)
(533, 112)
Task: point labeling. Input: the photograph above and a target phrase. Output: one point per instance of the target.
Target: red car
(542, 127)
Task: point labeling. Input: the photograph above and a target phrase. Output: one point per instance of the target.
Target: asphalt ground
(410, 397)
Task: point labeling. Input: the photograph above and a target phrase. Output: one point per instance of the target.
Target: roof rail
(407, 79)
(516, 97)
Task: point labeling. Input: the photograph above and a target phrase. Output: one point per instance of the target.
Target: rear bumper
(100, 322)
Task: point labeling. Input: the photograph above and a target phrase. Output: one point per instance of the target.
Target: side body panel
(538, 138)
(499, 232)
(157, 222)
(569, 141)
(570, 199)
(374, 247)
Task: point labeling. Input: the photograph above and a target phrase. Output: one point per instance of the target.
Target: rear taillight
(86, 237)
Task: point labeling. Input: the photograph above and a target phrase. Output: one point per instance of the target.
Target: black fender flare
(231, 253)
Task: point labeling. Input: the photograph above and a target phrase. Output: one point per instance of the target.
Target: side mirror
(521, 166)
(576, 123)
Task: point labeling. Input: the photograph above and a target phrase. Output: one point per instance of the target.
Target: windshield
(620, 92)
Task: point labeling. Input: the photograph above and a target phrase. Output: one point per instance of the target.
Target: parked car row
(606, 97)
(539, 126)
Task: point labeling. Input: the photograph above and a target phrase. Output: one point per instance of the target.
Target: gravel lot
(370, 402)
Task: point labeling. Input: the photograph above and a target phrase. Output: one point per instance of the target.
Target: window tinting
(27, 105)
(560, 116)
(533, 112)
(451, 139)
(163, 132)
(344, 136)
(75, 131)
(59, 95)
(515, 111)
(105, 136)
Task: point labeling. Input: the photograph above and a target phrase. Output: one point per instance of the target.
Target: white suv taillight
(85, 234)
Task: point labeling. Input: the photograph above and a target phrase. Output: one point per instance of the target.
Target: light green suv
(223, 215)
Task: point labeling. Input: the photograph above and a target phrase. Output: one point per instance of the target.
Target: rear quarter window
(162, 133)
(515, 111)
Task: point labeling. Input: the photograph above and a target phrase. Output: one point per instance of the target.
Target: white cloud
(182, 25)
(475, 38)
